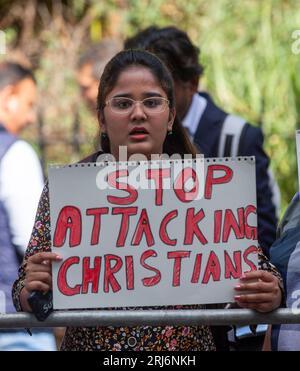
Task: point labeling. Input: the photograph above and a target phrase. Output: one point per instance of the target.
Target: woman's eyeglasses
(124, 105)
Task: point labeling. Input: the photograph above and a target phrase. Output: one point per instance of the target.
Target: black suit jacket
(207, 138)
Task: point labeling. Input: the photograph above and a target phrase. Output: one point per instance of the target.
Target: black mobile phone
(41, 304)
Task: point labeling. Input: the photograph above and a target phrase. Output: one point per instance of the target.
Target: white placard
(164, 245)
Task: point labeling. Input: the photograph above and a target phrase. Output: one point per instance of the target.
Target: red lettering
(230, 223)
(197, 268)
(129, 272)
(112, 181)
(250, 250)
(143, 227)
(231, 270)
(62, 284)
(191, 227)
(217, 226)
(178, 256)
(154, 280)
(109, 278)
(69, 218)
(213, 268)
(186, 174)
(211, 180)
(163, 228)
(158, 175)
(96, 213)
(125, 212)
(91, 275)
(251, 232)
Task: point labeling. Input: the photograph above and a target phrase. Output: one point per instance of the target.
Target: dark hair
(173, 47)
(98, 55)
(13, 73)
(178, 142)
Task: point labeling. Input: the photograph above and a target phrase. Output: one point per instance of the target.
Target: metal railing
(89, 318)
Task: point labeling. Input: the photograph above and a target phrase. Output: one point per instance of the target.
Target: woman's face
(141, 132)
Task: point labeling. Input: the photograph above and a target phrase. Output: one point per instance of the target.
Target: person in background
(136, 109)
(285, 254)
(89, 70)
(215, 133)
(90, 67)
(21, 183)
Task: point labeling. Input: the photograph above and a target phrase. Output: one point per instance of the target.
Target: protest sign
(152, 233)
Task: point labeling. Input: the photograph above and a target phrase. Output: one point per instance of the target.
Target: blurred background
(249, 50)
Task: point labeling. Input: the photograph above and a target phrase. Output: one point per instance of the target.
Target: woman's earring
(170, 132)
(103, 136)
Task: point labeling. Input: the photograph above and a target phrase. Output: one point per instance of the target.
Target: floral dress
(154, 338)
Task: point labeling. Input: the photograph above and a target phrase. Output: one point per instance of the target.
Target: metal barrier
(151, 318)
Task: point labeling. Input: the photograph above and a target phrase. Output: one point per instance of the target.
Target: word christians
(177, 249)
(70, 217)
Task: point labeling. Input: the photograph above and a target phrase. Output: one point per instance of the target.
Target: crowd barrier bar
(89, 318)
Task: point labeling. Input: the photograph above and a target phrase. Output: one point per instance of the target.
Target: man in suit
(205, 121)
(90, 67)
(21, 184)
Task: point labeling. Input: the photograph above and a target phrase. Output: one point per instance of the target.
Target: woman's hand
(38, 271)
(259, 290)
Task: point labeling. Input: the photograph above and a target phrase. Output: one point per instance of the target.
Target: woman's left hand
(258, 290)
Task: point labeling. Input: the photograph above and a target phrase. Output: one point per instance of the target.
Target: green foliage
(253, 72)
(246, 48)
(249, 65)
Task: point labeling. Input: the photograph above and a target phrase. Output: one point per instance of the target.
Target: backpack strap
(230, 136)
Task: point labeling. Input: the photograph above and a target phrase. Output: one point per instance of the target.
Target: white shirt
(21, 184)
(194, 114)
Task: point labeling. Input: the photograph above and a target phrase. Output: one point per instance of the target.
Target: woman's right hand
(39, 272)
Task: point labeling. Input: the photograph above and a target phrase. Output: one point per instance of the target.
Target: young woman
(136, 110)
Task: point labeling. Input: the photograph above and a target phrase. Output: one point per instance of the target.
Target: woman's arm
(261, 290)
(35, 271)
(38, 276)
(24, 294)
